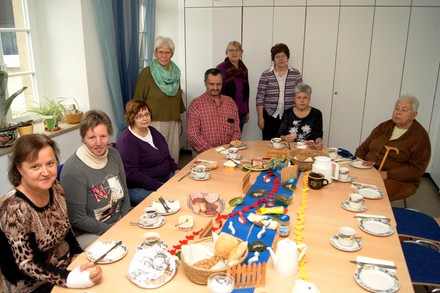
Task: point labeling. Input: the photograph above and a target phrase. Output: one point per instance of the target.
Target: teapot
(324, 165)
(286, 258)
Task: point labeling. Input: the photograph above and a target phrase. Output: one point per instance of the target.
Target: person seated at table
(212, 118)
(36, 240)
(144, 151)
(94, 180)
(401, 172)
(302, 122)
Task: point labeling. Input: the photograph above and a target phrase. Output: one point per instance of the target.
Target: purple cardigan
(145, 166)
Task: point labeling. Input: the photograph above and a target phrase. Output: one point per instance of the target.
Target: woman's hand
(261, 123)
(318, 143)
(95, 275)
(289, 138)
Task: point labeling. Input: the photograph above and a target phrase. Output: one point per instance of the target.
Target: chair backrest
(60, 168)
(416, 225)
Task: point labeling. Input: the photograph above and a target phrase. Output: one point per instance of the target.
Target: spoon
(178, 224)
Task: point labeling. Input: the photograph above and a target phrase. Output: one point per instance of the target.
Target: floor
(426, 199)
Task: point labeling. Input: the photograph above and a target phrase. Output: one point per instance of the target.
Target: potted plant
(52, 112)
(8, 131)
(25, 127)
(73, 113)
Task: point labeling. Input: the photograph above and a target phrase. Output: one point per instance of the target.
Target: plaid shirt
(209, 125)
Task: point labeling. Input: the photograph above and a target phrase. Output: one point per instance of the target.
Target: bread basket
(305, 158)
(199, 275)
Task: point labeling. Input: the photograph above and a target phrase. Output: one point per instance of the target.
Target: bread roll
(225, 244)
(237, 253)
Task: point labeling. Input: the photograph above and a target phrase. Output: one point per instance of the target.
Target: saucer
(160, 222)
(282, 146)
(355, 247)
(376, 226)
(345, 204)
(370, 193)
(207, 177)
(238, 157)
(349, 179)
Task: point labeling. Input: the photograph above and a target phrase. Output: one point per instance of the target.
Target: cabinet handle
(336, 93)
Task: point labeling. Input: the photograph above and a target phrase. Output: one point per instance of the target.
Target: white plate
(151, 267)
(359, 164)
(376, 279)
(174, 206)
(207, 177)
(376, 226)
(370, 193)
(355, 247)
(160, 222)
(345, 204)
(349, 179)
(116, 254)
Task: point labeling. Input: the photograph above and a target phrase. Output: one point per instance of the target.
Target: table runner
(269, 181)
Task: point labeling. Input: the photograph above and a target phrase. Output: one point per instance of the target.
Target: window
(16, 53)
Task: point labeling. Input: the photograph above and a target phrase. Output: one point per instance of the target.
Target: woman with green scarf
(159, 85)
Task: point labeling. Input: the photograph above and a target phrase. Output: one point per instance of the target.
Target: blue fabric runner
(241, 231)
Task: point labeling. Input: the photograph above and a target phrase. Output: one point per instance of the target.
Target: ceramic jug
(286, 258)
(325, 166)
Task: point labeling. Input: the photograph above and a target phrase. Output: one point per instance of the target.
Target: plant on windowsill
(8, 131)
(25, 127)
(52, 111)
(73, 113)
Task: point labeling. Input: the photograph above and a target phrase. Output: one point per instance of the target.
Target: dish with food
(376, 226)
(206, 204)
(376, 279)
(256, 164)
(237, 144)
(99, 248)
(209, 164)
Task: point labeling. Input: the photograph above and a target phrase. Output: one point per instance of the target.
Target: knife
(373, 264)
(181, 178)
(372, 217)
(102, 256)
(164, 204)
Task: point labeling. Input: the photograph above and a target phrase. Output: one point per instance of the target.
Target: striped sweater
(269, 91)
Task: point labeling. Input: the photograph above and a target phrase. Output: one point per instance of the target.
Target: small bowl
(188, 225)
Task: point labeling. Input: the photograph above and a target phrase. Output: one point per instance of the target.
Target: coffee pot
(325, 166)
(286, 258)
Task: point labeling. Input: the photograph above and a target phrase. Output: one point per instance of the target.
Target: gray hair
(164, 42)
(410, 98)
(303, 88)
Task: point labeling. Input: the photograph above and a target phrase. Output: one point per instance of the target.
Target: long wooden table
(328, 268)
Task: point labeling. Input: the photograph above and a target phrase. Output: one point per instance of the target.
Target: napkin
(173, 204)
(99, 248)
(375, 261)
(220, 149)
(359, 185)
(302, 286)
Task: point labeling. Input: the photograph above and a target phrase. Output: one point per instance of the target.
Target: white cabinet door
(257, 41)
(198, 3)
(319, 58)
(386, 65)
(353, 52)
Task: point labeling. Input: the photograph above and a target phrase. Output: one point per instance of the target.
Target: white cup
(346, 236)
(332, 153)
(150, 216)
(276, 142)
(151, 238)
(355, 201)
(232, 156)
(233, 150)
(200, 171)
(344, 173)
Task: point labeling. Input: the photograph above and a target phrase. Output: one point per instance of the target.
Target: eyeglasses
(234, 50)
(142, 116)
(279, 57)
(167, 53)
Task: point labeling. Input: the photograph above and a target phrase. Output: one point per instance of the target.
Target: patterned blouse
(306, 128)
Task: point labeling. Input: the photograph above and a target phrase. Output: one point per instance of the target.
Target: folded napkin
(220, 149)
(99, 248)
(173, 204)
(374, 261)
(302, 286)
(359, 185)
(360, 216)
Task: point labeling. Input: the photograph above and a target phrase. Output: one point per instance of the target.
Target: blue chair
(60, 167)
(423, 261)
(416, 225)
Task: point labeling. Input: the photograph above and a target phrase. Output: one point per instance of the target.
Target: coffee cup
(346, 236)
(232, 156)
(150, 216)
(344, 173)
(199, 171)
(151, 238)
(233, 150)
(317, 180)
(332, 153)
(355, 201)
(276, 142)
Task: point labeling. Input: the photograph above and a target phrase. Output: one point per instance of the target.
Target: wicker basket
(198, 275)
(73, 118)
(299, 157)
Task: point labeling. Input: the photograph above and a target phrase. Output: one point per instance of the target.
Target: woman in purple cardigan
(144, 152)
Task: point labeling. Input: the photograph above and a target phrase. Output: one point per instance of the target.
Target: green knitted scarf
(167, 81)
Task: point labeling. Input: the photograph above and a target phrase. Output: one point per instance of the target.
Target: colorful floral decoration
(300, 226)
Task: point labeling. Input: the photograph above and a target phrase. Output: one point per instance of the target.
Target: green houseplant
(52, 112)
(8, 131)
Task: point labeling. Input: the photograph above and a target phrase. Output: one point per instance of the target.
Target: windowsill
(38, 128)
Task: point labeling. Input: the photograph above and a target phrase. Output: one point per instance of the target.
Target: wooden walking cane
(388, 149)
